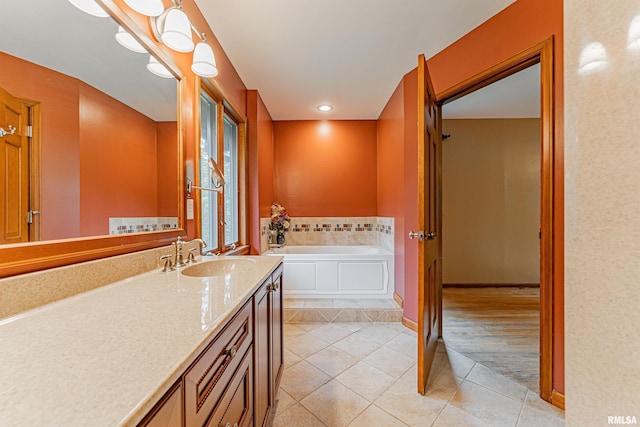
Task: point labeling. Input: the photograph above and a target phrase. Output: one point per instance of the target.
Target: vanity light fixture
(146, 7)
(158, 69)
(325, 107)
(176, 33)
(204, 63)
(90, 7)
(127, 40)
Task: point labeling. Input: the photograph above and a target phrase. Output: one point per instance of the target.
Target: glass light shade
(90, 7)
(325, 107)
(127, 40)
(146, 7)
(592, 58)
(158, 69)
(177, 31)
(204, 63)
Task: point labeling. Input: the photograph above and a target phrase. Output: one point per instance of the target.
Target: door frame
(541, 53)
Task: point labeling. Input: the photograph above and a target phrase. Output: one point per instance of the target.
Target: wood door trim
(557, 399)
(542, 53)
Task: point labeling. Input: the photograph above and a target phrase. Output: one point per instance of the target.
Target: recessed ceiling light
(325, 107)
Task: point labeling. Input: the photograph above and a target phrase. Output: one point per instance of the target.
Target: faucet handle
(168, 265)
(191, 258)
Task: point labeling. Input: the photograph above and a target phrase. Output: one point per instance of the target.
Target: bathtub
(336, 271)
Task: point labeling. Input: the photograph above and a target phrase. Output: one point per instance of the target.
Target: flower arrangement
(280, 221)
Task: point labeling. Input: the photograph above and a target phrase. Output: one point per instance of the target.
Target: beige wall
(602, 216)
(491, 201)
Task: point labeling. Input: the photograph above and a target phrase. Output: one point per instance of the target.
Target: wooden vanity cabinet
(234, 381)
(268, 346)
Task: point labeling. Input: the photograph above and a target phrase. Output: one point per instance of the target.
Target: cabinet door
(261, 351)
(276, 324)
(236, 404)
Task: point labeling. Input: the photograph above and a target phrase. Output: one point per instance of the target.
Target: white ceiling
(349, 53)
(57, 35)
(516, 96)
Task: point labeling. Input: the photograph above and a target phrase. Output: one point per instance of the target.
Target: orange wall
(168, 182)
(260, 134)
(58, 96)
(519, 26)
(113, 180)
(391, 159)
(82, 140)
(326, 168)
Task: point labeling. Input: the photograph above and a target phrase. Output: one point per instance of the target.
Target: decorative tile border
(334, 231)
(141, 225)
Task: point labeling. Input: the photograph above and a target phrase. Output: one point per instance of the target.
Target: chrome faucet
(179, 260)
(201, 245)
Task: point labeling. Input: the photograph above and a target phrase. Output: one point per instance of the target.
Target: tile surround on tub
(27, 291)
(334, 231)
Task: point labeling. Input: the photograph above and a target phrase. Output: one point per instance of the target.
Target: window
(220, 213)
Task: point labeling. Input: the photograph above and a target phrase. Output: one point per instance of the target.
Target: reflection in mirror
(95, 150)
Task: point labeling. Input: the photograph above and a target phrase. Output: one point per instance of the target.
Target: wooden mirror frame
(28, 257)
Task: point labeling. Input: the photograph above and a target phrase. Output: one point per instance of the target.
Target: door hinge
(30, 215)
(30, 131)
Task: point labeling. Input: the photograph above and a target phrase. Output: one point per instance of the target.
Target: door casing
(539, 53)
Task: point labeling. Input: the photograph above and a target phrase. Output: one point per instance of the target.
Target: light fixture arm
(157, 22)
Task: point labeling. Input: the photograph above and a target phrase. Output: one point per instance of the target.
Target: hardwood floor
(497, 327)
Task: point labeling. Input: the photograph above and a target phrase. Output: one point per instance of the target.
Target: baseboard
(491, 285)
(410, 324)
(398, 299)
(557, 399)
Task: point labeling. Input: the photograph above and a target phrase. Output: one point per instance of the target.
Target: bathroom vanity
(196, 346)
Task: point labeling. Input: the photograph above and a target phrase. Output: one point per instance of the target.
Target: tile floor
(364, 374)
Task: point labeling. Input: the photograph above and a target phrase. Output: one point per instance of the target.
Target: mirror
(105, 140)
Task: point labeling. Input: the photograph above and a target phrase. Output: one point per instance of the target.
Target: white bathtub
(336, 271)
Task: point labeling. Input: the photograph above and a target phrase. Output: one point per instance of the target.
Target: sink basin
(218, 267)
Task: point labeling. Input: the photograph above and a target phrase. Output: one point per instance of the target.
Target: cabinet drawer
(207, 379)
(235, 408)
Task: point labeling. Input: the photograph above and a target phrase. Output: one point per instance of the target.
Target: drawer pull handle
(232, 352)
(228, 425)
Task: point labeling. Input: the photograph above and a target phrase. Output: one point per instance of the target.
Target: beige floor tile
(309, 326)
(357, 345)
(350, 326)
(332, 360)
(293, 302)
(372, 314)
(374, 416)
(378, 332)
(296, 415)
(302, 379)
(351, 315)
(348, 303)
(454, 417)
(530, 417)
(447, 359)
(389, 316)
(366, 380)
(484, 376)
(534, 401)
(390, 362)
(290, 330)
(318, 303)
(334, 404)
(308, 316)
(491, 407)
(284, 400)
(331, 332)
(443, 387)
(290, 358)
(379, 303)
(404, 344)
(403, 402)
(305, 345)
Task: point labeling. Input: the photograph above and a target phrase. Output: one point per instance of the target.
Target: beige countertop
(104, 357)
